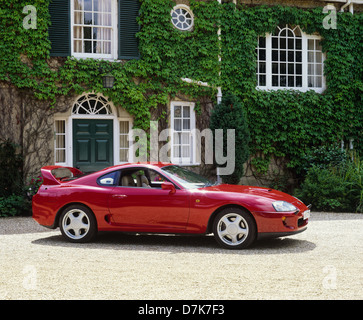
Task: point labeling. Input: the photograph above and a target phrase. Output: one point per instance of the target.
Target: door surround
(112, 113)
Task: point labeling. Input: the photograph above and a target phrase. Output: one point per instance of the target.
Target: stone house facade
(89, 130)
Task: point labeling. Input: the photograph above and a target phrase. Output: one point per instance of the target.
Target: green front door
(92, 144)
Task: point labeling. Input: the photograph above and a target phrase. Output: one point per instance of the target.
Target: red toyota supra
(162, 198)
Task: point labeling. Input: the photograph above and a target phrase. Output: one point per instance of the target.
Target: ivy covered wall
(283, 123)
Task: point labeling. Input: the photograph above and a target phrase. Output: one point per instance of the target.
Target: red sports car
(162, 198)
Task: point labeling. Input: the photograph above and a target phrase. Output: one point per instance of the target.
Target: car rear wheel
(78, 224)
(234, 228)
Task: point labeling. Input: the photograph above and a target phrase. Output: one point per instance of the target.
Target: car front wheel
(234, 228)
(78, 224)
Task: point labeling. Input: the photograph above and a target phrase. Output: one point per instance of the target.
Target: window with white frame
(125, 127)
(92, 104)
(182, 17)
(290, 59)
(183, 136)
(94, 28)
(60, 141)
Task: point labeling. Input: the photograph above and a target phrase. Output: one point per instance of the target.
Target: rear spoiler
(52, 175)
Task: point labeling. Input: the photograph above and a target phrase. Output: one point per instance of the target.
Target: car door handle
(119, 196)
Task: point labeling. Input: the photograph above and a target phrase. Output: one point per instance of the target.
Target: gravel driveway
(324, 262)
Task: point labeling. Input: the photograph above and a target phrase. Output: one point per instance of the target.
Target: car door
(148, 209)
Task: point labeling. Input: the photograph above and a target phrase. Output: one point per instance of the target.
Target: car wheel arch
(215, 213)
(61, 210)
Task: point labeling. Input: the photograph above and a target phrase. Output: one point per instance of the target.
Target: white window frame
(305, 87)
(174, 15)
(56, 148)
(192, 136)
(114, 36)
(129, 120)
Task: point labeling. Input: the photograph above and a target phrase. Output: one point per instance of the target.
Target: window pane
(262, 54)
(185, 151)
(262, 80)
(291, 68)
(176, 151)
(88, 5)
(275, 55)
(177, 124)
(311, 56)
(186, 111)
(275, 81)
(262, 67)
(87, 33)
(310, 81)
(88, 18)
(291, 44)
(282, 68)
(291, 81)
(185, 138)
(88, 46)
(124, 153)
(291, 56)
(60, 156)
(282, 43)
(275, 42)
(275, 68)
(262, 42)
(78, 17)
(186, 124)
(310, 44)
(282, 81)
(310, 69)
(177, 138)
(78, 5)
(282, 55)
(177, 112)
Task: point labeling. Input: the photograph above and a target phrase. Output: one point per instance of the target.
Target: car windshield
(188, 179)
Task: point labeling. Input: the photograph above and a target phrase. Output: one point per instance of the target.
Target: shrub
(337, 188)
(10, 170)
(14, 205)
(323, 157)
(230, 114)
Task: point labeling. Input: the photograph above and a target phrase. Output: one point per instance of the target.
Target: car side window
(135, 178)
(109, 179)
(156, 179)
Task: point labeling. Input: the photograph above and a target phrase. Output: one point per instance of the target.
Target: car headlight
(283, 206)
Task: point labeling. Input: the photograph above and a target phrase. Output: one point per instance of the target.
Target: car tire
(78, 224)
(234, 228)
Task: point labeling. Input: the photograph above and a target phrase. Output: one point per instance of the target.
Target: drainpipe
(346, 5)
(351, 9)
(219, 94)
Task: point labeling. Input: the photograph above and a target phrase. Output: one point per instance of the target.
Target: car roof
(148, 164)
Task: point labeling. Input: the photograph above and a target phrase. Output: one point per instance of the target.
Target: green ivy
(282, 123)
(287, 123)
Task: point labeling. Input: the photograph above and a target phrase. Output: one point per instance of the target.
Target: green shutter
(128, 27)
(59, 31)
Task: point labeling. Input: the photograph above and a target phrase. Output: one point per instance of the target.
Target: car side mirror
(168, 186)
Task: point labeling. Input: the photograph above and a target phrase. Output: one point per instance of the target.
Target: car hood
(248, 194)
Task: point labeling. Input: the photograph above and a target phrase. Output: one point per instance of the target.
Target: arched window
(92, 104)
(290, 59)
